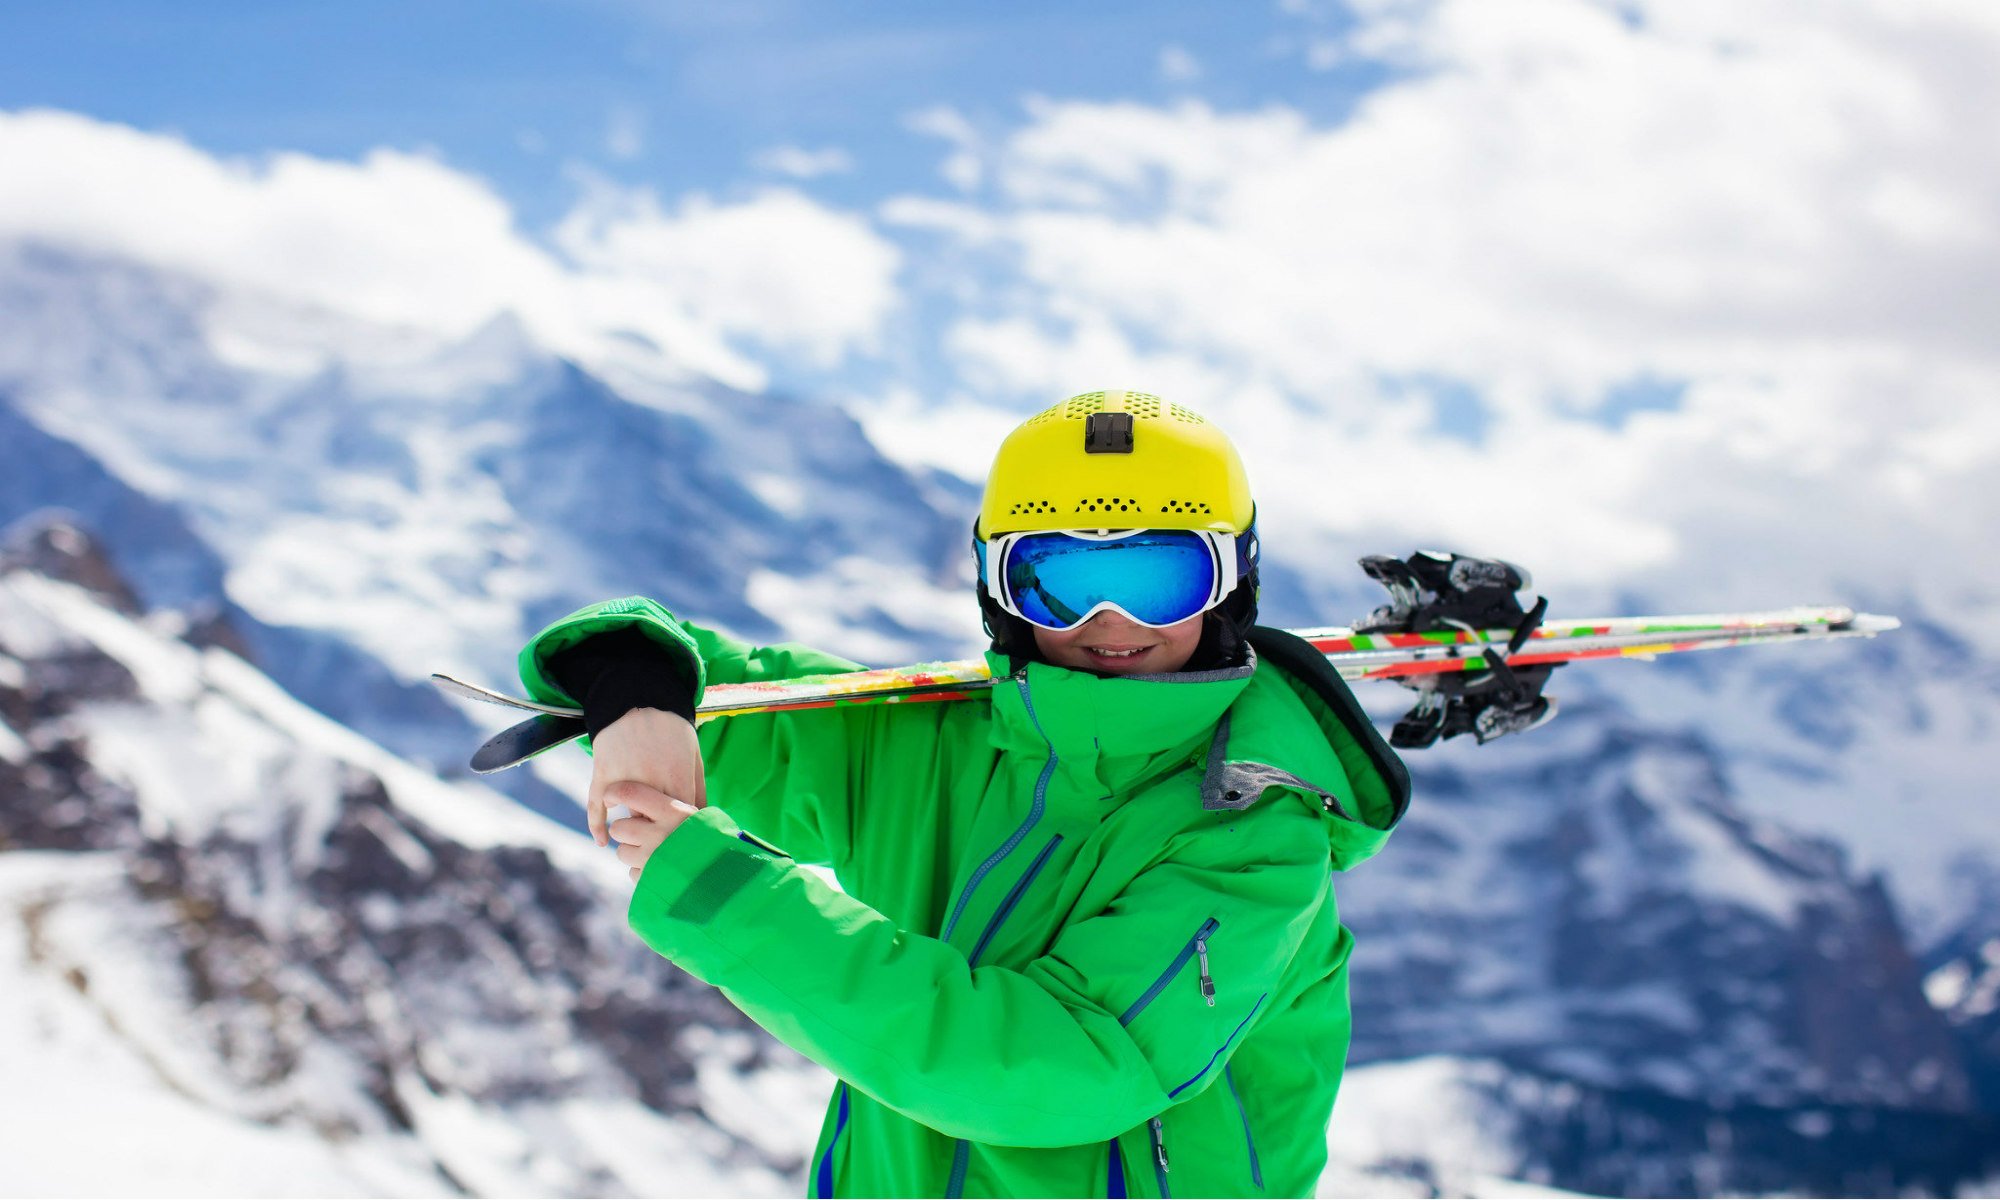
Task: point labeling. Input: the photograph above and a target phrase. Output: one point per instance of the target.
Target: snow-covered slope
(278, 960)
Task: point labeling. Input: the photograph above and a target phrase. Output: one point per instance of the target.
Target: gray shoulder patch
(1229, 785)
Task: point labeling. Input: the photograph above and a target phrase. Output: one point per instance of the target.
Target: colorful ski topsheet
(1390, 655)
(1354, 655)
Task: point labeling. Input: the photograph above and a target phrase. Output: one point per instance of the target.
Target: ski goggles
(1156, 577)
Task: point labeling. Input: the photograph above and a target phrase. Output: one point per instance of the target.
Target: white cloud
(955, 432)
(962, 221)
(406, 240)
(964, 168)
(800, 163)
(1783, 205)
(945, 122)
(778, 267)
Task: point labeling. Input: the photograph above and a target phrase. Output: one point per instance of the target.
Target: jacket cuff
(704, 878)
(613, 673)
(637, 614)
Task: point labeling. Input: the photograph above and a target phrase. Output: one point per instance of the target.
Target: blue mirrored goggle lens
(1054, 579)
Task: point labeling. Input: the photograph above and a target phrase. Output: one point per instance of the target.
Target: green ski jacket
(1085, 940)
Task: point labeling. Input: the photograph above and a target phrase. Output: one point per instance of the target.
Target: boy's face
(1106, 643)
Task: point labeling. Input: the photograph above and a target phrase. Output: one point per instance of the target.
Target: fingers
(635, 856)
(638, 837)
(595, 811)
(639, 831)
(647, 831)
(644, 801)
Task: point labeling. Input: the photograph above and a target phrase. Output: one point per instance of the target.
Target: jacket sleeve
(1106, 1029)
(786, 777)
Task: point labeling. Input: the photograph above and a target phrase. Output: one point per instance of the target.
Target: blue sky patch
(1644, 393)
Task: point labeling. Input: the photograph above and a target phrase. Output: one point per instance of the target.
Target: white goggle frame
(1221, 549)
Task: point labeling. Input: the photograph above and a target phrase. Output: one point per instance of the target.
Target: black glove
(613, 673)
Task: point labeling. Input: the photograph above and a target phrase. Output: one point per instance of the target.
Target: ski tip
(1873, 623)
(458, 687)
(518, 743)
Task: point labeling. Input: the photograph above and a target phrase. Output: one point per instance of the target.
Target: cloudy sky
(1689, 291)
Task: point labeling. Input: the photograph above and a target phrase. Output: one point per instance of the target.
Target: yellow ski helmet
(1116, 460)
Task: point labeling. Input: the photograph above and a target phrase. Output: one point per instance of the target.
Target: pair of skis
(1483, 679)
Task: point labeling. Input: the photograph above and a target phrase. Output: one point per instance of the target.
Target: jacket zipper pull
(1207, 984)
(1159, 1144)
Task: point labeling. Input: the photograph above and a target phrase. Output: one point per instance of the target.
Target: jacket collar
(1116, 727)
(1285, 720)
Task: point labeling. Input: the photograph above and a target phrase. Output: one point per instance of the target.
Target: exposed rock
(53, 543)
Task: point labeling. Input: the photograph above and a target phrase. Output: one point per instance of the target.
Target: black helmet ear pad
(1011, 635)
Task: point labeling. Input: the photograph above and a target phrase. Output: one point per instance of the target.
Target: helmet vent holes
(1032, 508)
(1079, 407)
(1107, 504)
(1186, 507)
(1185, 414)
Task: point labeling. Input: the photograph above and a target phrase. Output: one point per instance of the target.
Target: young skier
(1085, 941)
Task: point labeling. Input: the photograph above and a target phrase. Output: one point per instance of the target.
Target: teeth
(1116, 653)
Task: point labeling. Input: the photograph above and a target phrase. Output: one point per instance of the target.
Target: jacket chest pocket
(1194, 953)
(1011, 902)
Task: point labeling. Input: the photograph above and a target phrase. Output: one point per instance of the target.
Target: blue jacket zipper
(1013, 897)
(1014, 894)
(959, 1155)
(962, 1152)
(1226, 1043)
(1159, 1155)
(1196, 945)
(825, 1173)
(1249, 1142)
(1034, 815)
(1201, 955)
(761, 844)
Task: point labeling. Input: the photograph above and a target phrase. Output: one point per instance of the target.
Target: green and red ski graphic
(1489, 664)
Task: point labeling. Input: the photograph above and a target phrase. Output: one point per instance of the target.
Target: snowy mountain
(1682, 997)
(382, 506)
(433, 502)
(287, 962)
(1723, 926)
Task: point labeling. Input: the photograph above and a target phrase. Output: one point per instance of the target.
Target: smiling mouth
(1109, 652)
